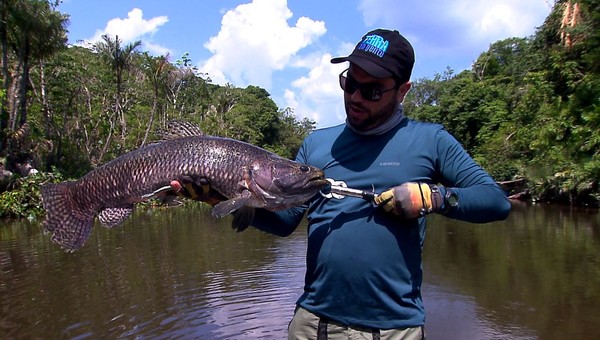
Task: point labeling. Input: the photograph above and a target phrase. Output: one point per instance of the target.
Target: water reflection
(164, 274)
(179, 273)
(535, 275)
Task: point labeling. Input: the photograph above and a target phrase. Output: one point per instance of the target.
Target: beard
(370, 119)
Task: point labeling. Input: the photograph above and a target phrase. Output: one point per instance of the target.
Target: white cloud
(499, 19)
(444, 25)
(255, 40)
(133, 28)
(318, 95)
(155, 49)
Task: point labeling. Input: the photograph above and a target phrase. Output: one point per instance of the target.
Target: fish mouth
(316, 182)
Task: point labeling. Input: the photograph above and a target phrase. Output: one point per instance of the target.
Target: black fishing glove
(199, 190)
(411, 200)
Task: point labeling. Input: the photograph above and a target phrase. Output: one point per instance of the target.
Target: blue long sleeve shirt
(363, 265)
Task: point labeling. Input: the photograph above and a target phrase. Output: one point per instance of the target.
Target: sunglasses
(371, 91)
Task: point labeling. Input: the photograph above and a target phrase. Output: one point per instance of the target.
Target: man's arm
(480, 199)
(467, 192)
(280, 223)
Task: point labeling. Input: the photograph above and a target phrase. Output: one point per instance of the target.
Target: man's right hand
(410, 200)
(200, 190)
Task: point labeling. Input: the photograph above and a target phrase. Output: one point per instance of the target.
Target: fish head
(285, 183)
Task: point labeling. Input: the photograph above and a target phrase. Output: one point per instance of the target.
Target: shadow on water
(179, 273)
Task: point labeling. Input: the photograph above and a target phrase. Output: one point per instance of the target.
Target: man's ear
(403, 90)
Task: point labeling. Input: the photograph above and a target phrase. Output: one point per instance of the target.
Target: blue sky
(285, 46)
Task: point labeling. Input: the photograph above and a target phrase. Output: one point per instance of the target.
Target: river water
(179, 273)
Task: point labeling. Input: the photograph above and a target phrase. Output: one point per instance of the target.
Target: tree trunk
(47, 116)
(118, 106)
(23, 83)
(107, 143)
(6, 77)
(154, 105)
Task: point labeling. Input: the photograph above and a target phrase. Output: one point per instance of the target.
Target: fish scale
(248, 176)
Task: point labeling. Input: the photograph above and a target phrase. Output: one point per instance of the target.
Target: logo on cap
(374, 44)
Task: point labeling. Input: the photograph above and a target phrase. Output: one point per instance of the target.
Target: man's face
(363, 114)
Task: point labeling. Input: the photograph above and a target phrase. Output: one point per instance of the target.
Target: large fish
(248, 176)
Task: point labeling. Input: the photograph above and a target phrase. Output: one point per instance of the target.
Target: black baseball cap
(383, 53)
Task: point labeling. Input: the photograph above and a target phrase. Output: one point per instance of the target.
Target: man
(363, 275)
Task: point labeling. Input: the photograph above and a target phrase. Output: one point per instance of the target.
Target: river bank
(20, 194)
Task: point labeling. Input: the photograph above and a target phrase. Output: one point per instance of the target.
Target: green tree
(156, 70)
(119, 58)
(31, 32)
(290, 133)
(78, 92)
(40, 33)
(189, 94)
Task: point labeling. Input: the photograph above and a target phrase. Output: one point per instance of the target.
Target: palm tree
(119, 59)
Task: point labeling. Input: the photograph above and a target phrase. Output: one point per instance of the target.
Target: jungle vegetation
(528, 110)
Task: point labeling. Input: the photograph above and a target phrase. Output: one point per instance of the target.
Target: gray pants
(308, 326)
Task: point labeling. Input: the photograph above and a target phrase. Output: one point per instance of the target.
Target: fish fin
(112, 217)
(177, 129)
(224, 208)
(68, 224)
(242, 218)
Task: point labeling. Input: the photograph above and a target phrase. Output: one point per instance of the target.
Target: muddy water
(179, 273)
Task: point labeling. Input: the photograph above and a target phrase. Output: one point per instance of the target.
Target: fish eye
(304, 168)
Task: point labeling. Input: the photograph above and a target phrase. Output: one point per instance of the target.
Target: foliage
(90, 105)
(529, 107)
(30, 31)
(24, 200)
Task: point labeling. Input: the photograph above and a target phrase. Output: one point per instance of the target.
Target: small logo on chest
(389, 163)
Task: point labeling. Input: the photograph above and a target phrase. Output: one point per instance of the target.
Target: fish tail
(65, 221)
